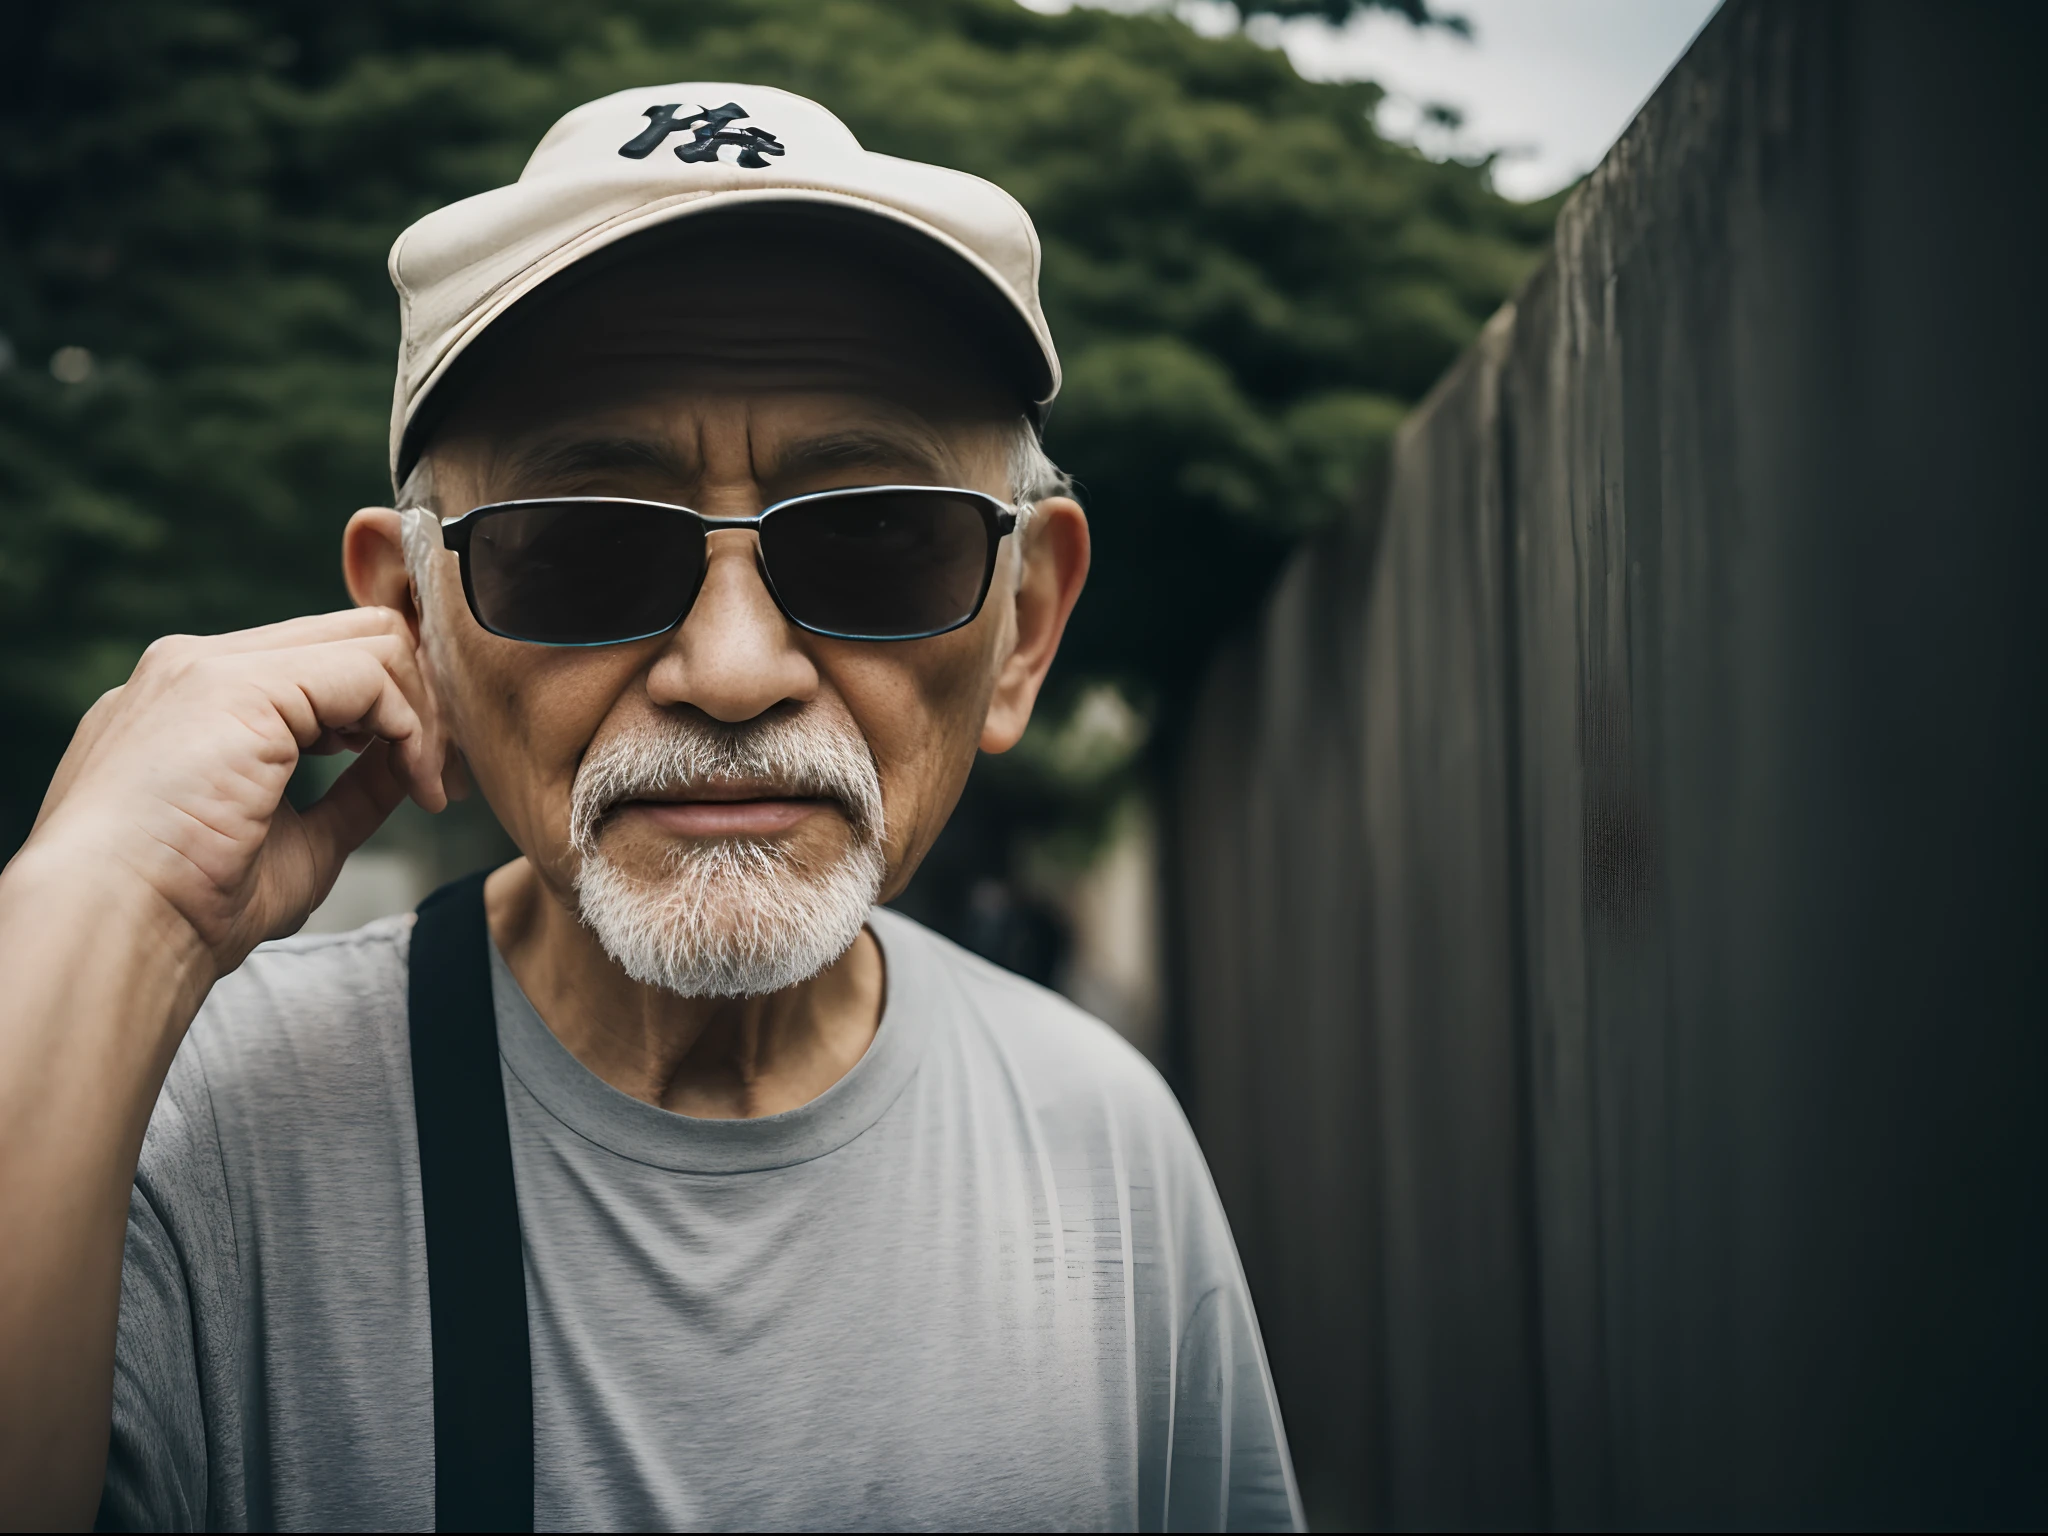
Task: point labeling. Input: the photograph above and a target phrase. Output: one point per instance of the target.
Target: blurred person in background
(660, 1179)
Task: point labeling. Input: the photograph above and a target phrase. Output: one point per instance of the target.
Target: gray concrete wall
(1608, 891)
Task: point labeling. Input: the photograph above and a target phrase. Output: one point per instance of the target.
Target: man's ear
(373, 563)
(1055, 556)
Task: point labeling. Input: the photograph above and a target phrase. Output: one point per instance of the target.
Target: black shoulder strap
(476, 1275)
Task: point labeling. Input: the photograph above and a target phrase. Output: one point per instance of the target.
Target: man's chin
(728, 917)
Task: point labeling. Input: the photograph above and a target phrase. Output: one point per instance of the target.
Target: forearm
(99, 979)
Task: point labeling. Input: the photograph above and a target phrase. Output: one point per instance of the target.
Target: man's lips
(736, 810)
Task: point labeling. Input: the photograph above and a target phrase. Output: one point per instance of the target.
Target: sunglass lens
(584, 572)
(879, 565)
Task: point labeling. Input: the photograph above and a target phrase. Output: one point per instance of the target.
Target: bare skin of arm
(164, 853)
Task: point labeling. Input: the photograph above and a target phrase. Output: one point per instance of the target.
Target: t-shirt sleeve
(1226, 1462)
(173, 1460)
(1230, 1470)
(156, 1460)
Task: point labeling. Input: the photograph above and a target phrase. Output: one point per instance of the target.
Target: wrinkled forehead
(672, 444)
(697, 325)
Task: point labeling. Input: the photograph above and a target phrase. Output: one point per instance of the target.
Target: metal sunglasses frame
(999, 520)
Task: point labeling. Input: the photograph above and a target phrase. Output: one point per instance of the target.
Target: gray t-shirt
(982, 1282)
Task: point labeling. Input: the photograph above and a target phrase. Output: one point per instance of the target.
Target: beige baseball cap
(642, 158)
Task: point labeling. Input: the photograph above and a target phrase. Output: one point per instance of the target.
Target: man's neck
(715, 1058)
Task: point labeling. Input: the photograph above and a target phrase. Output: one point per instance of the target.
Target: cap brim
(957, 277)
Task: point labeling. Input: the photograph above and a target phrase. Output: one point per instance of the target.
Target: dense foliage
(1248, 285)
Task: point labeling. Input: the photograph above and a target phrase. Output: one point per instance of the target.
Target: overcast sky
(1552, 82)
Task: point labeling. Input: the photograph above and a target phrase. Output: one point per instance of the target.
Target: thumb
(353, 807)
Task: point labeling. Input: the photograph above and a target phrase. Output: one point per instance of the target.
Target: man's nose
(734, 656)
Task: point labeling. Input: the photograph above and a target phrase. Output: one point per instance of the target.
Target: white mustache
(805, 755)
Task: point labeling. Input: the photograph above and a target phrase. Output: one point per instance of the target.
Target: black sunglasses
(871, 562)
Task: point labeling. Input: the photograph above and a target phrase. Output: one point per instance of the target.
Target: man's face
(790, 385)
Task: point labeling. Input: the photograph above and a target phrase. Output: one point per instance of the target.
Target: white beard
(730, 917)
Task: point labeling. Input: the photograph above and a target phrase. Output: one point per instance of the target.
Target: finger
(403, 716)
(354, 806)
(303, 647)
(169, 656)
(344, 687)
(310, 629)
(400, 655)
(371, 686)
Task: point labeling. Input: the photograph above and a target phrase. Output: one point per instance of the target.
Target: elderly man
(661, 1179)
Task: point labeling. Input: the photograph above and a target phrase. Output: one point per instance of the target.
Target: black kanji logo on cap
(709, 131)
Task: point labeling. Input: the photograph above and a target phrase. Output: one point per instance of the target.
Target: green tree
(196, 197)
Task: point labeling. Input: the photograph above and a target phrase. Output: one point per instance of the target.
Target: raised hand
(177, 778)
